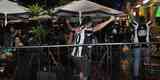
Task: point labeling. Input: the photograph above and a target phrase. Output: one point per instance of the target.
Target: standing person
(1, 36)
(141, 34)
(114, 37)
(83, 35)
(9, 37)
(87, 25)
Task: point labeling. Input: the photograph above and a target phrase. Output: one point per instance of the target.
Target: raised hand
(112, 18)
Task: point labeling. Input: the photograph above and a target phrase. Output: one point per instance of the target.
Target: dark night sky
(117, 4)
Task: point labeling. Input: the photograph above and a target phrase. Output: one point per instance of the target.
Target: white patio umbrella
(9, 7)
(85, 8)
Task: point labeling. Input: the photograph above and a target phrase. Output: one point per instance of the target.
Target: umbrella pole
(80, 17)
(5, 20)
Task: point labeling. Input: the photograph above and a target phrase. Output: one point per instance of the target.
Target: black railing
(102, 61)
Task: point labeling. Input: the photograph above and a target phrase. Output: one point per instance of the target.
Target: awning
(86, 8)
(8, 7)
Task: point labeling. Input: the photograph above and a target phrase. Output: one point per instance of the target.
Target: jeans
(146, 55)
(136, 61)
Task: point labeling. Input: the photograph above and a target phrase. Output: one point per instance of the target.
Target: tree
(36, 10)
(39, 34)
(38, 30)
(62, 2)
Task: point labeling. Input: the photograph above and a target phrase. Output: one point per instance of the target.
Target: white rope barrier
(77, 45)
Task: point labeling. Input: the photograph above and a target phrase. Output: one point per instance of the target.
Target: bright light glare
(134, 13)
(138, 6)
(145, 1)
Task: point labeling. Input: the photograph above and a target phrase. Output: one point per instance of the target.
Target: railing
(102, 61)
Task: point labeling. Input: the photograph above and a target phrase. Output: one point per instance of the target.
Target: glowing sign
(157, 14)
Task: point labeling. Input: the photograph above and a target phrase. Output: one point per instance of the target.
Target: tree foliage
(39, 33)
(62, 2)
(35, 10)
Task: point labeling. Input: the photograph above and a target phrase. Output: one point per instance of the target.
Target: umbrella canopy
(8, 7)
(86, 8)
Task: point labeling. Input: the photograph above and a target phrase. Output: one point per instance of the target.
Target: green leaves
(36, 10)
(39, 33)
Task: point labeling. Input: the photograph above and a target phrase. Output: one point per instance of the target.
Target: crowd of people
(62, 31)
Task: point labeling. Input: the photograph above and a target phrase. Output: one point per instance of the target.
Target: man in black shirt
(141, 34)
